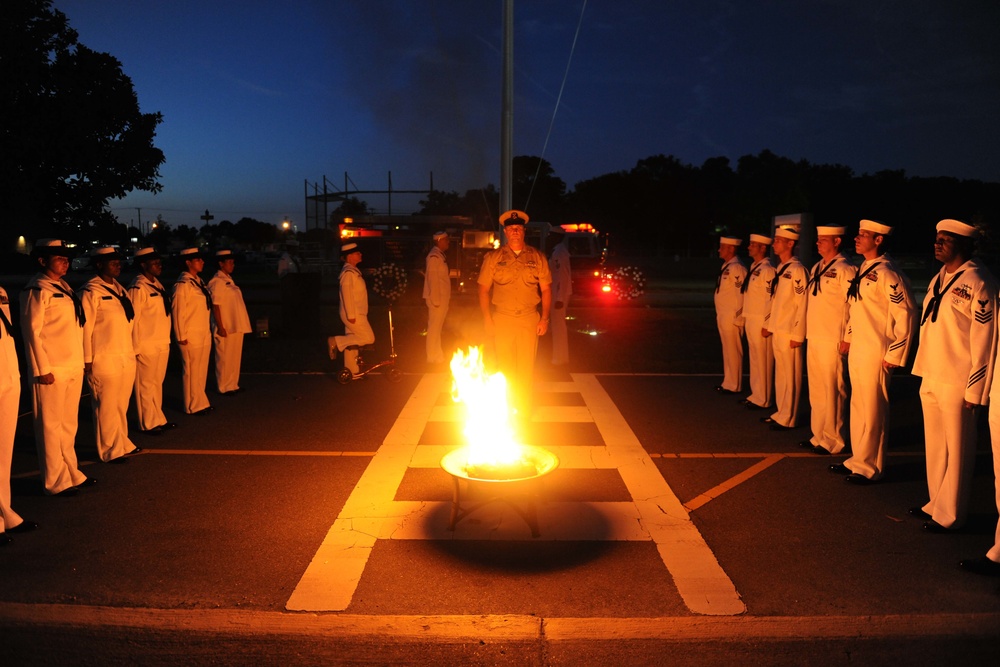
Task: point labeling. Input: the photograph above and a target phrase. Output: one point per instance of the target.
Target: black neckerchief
(854, 291)
(935, 303)
(163, 294)
(6, 325)
(777, 277)
(746, 281)
(204, 290)
(820, 270)
(125, 301)
(81, 317)
(718, 280)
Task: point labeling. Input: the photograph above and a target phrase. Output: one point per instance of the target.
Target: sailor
(518, 277)
(52, 324)
(562, 289)
(989, 564)
(826, 319)
(955, 359)
(232, 322)
(756, 314)
(437, 294)
(353, 310)
(881, 320)
(729, 313)
(10, 394)
(191, 315)
(108, 355)
(151, 341)
(788, 326)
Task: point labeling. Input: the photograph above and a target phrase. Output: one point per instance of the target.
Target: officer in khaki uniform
(756, 314)
(437, 294)
(232, 322)
(151, 340)
(826, 319)
(519, 278)
(729, 314)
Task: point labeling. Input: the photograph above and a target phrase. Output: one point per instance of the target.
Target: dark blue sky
(260, 96)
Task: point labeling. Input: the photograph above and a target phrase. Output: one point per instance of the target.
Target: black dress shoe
(754, 406)
(158, 430)
(23, 527)
(168, 426)
(723, 390)
(5, 539)
(90, 481)
(840, 469)
(119, 460)
(822, 451)
(137, 450)
(860, 480)
(981, 565)
(805, 444)
(919, 513)
(933, 526)
(67, 493)
(203, 411)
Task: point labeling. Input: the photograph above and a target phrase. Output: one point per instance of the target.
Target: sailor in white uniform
(826, 320)
(151, 341)
(989, 564)
(881, 321)
(788, 326)
(353, 310)
(562, 289)
(108, 355)
(955, 359)
(729, 313)
(232, 322)
(192, 315)
(437, 294)
(52, 324)
(756, 314)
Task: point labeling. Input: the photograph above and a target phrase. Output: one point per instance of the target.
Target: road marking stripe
(730, 483)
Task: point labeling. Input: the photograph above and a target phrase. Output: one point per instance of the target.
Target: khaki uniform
(437, 296)
(562, 289)
(728, 317)
(826, 321)
(53, 343)
(756, 316)
(107, 346)
(10, 394)
(955, 359)
(880, 325)
(787, 324)
(151, 342)
(192, 311)
(353, 306)
(232, 311)
(517, 280)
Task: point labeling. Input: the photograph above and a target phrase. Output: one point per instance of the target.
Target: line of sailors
(868, 316)
(117, 339)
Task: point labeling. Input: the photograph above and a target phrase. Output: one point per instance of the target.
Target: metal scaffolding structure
(319, 197)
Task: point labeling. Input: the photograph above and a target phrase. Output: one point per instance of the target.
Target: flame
(488, 429)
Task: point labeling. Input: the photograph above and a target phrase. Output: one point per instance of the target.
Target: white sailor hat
(957, 227)
(105, 253)
(191, 253)
(877, 227)
(440, 234)
(348, 248)
(786, 233)
(760, 238)
(51, 248)
(146, 254)
(830, 231)
(514, 217)
(224, 254)
(730, 240)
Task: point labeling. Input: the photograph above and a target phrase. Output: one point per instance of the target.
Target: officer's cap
(146, 254)
(105, 253)
(730, 240)
(51, 248)
(876, 227)
(830, 231)
(957, 227)
(514, 217)
(760, 238)
(785, 233)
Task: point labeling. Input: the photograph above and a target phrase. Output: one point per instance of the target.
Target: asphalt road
(191, 551)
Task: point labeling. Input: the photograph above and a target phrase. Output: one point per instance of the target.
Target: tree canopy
(72, 136)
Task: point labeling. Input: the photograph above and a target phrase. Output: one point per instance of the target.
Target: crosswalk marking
(654, 513)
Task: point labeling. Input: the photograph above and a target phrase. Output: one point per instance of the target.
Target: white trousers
(560, 336)
(435, 323)
(994, 552)
(787, 380)
(194, 361)
(827, 394)
(109, 396)
(950, 441)
(150, 370)
(10, 394)
(761, 357)
(869, 412)
(732, 353)
(56, 407)
(228, 356)
(357, 334)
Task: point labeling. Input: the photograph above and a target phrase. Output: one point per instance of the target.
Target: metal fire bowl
(455, 461)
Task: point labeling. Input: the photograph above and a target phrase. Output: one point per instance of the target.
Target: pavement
(306, 522)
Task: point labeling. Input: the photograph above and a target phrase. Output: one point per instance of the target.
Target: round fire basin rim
(545, 462)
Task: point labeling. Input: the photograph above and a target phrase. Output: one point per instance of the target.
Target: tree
(536, 188)
(71, 134)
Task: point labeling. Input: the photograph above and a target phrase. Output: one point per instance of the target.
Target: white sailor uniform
(826, 321)
(151, 341)
(191, 314)
(51, 324)
(231, 314)
(955, 359)
(787, 324)
(562, 289)
(10, 394)
(728, 311)
(880, 325)
(353, 306)
(437, 296)
(757, 314)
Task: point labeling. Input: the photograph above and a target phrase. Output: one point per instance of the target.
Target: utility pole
(507, 114)
(208, 216)
(138, 217)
